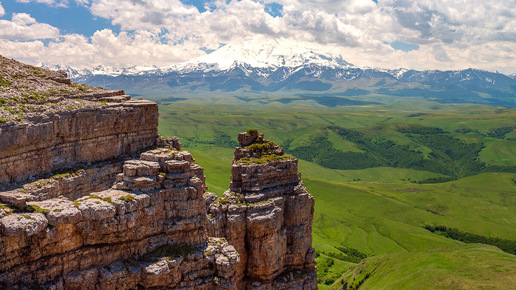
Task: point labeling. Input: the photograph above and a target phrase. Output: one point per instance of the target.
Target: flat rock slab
(23, 224)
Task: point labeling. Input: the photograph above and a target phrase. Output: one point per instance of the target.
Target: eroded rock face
(86, 135)
(267, 215)
(156, 227)
(90, 240)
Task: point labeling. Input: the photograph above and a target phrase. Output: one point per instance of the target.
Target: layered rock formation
(48, 122)
(92, 198)
(85, 135)
(267, 215)
(149, 229)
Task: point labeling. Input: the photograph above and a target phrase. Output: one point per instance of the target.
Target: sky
(413, 34)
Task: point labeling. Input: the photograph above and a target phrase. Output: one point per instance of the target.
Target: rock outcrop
(92, 198)
(149, 229)
(85, 135)
(267, 215)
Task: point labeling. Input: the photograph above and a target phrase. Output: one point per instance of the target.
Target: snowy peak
(101, 70)
(265, 53)
(260, 53)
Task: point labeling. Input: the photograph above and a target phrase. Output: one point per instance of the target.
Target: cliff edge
(92, 198)
(267, 216)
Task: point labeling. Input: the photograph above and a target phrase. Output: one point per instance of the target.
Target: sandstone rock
(81, 279)
(95, 209)
(59, 211)
(170, 143)
(267, 215)
(247, 138)
(119, 275)
(23, 224)
(66, 138)
(156, 227)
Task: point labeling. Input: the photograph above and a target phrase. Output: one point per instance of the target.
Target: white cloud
(450, 34)
(2, 10)
(23, 27)
(104, 47)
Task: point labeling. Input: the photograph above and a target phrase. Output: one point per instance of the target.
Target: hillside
(467, 267)
(381, 209)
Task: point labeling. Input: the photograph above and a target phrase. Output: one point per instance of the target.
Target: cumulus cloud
(103, 48)
(23, 27)
(2, 10)
(449, 34)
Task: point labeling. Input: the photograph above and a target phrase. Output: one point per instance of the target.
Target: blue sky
(424, 34)
(71, 19)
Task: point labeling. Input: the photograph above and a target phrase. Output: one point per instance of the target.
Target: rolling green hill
(473, 266)
(381, 210)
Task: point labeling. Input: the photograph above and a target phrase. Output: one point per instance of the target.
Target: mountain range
(277, 67)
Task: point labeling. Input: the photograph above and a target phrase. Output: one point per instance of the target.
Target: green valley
(379, 175)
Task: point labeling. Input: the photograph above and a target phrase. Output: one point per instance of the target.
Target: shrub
(251, 132)
(127, 198)
(508, 246)
(4, 83)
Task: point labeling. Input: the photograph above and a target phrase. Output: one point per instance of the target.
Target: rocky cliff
(93, 199)
(267, 215)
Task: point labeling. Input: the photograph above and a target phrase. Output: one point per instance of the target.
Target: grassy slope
(474, 266)
(381, 217)
(386, 217)
(381, 213)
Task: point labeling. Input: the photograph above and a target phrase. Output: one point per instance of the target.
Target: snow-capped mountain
(260, 53)
(292, 68)
(264, 53)
(100, 70)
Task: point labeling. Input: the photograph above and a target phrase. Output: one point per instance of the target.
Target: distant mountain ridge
(272, 66)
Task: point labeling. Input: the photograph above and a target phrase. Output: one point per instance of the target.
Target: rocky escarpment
(48, 123)
(147, 230)
(267, 215)
(92, 198)
(156, 227)
(84, 135)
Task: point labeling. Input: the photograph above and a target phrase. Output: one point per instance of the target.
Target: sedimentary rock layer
(267, 215)
(148, 230)
(85, 135)
(155, 226)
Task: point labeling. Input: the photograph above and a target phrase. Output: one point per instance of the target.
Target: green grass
(383, 174)
(474, 266)
(376, 210)
(217, 167)
(499, 152)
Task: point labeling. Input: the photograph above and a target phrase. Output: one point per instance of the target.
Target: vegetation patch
(170, 251)
(127, 198)
(4, 82)
(251, 132)
(264, 159)
(262, 147)
(36, 208)
(501, 132)
(508, 246)
(107, 199)
(449, 156)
